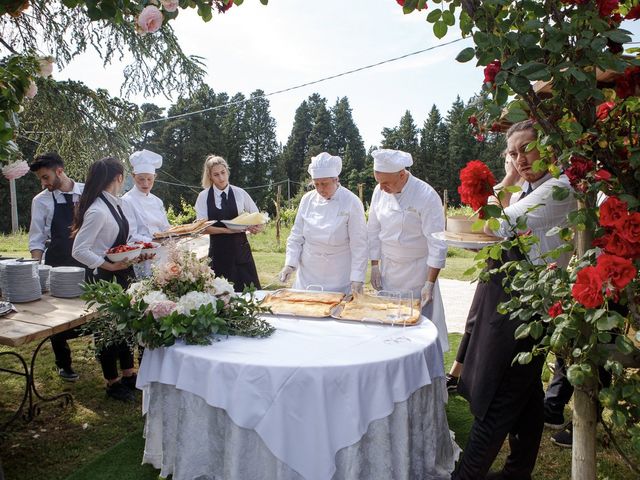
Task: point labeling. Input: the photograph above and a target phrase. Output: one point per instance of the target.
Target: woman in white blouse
(328, 241)
(229, 250)
(100, 224)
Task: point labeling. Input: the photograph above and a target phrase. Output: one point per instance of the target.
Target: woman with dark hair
(99, 224)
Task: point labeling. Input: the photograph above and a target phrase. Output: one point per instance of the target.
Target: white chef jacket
(42, 213)
(399, 232)
(244, 203)
(98, 232)
(548, 214)
(145, 213)
(328, 241)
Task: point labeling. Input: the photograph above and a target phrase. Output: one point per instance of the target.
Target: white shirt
(401, 224)
(548, 214)
(145, 213)
(244, 203)
(98, 232)
(42, 214)
(331, 226)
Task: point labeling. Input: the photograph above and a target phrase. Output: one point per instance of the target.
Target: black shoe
(452, 383)
(502, 475)
(554, 421)
(68, 375)
(118, 391)
(130, 382)
(564, 438)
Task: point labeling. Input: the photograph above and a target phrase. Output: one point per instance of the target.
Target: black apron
(59, 251)
(123, 277)
(492, 346)
(230, 254)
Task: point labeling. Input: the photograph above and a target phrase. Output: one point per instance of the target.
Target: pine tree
(346, 141)
(434, 143)
(261, 146)
(234, 136)
(296, 149)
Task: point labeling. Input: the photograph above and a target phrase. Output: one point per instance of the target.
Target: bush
(187, 213)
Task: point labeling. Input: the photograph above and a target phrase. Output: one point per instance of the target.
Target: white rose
(222, 286)
(193, 301)
(46, 66)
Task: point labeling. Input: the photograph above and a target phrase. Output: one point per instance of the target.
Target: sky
(291, 42)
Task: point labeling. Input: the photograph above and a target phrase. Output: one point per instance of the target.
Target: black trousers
(61, 349)
(462, 347)
(517, 411)
(109, 356)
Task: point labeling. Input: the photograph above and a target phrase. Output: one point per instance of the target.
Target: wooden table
(38, 321)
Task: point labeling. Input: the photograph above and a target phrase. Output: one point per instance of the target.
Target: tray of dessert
(379, 309)
(302, 303)
(246, 220)
(183, 230)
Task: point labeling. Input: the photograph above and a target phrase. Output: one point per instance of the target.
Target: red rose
(473, 120)
(602, 175)
(476, 184)
(629, 228)
(588, 288)
(613, 211)
(603, 110)
(619, 271)
(555, 309)
(400, 2)
(612, 242)
(552, 266)
(491, 70)
(228, 5)
(606, 7)
(627, 83)
(578, 169)
(634, 13)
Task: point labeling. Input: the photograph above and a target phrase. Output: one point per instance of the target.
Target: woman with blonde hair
(229, 250)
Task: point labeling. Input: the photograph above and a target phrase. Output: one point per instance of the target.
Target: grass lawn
(96, 438)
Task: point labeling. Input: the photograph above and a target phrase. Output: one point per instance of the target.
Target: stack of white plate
(20, 281)
(66, 282)
(43, 271)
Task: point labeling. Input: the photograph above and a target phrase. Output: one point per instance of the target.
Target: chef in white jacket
(328, 241)
(404, 256)
(145, 211)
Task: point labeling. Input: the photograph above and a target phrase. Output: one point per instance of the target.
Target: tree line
(83, 125)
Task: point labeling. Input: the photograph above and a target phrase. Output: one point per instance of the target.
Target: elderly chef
(404, 256)
(328, 241)
(148, 215)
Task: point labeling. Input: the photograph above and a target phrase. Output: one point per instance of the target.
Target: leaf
(519, 84)
(535, 71)
(575, 375)
(440, 29)
(618, 35)
(516, 115)
(466, 55)
(624, 344)
(448, 18)
(560, 193)
(522, 331)
(434, 15)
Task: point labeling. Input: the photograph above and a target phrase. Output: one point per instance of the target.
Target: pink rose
(46, 66)
(15, 170)
(170, 5)
(161, 309)
(172, 270)
(32, 91)
(150, 19)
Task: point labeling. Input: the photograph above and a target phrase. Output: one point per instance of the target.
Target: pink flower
(172, 270)
(46, 66)
(15, 170)
(161, 309)
(170, 5)
(150, 19)
(32, 91)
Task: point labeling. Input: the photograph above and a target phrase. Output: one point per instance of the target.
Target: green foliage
(186, 214)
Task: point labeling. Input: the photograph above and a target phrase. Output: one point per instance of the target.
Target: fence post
(445, 201)
(278, 199)
(361, 192)
(14, 205)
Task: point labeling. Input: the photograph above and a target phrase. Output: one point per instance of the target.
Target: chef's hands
(286, 272)
(376, 277)
(357, 288)
(426, 294)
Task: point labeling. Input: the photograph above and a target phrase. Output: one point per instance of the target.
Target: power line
(295, 87)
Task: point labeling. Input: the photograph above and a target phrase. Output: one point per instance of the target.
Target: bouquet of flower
(476, 185)
(182, 299)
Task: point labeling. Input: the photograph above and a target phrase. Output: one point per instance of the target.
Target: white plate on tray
(453, 242)
(236, 226)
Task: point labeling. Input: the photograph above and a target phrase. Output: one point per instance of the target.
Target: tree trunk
(583, 453)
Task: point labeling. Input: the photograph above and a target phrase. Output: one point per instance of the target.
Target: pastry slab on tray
(303, 303)
(186, 229)
(367, 308)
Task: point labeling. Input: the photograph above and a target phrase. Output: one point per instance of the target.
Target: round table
(319, 399)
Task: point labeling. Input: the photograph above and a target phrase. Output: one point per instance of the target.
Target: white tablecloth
(308, 391)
